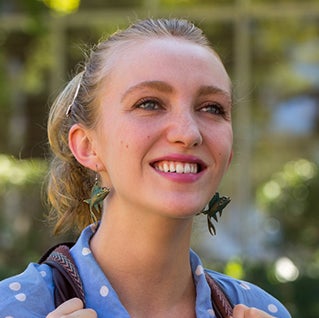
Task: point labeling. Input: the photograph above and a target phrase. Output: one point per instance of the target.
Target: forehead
(168, 59)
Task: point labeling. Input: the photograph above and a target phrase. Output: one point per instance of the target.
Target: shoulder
(242, 292)
(28, 292)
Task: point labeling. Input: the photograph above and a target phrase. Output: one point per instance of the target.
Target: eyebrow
(158, 85)
(167, 88)
(214, 90)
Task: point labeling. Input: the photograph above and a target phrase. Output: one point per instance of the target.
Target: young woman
(147, 124)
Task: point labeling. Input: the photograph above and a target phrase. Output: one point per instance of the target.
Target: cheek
(133, 134)
(124, 144)
(128, 139)
(222, 142)
(129, 142)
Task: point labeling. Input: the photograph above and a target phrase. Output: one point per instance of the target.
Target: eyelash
(213, 108)
(151, 104)
(145, 102)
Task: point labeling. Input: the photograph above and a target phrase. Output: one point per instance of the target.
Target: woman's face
(164, 136)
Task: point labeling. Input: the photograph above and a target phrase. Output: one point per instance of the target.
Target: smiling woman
(146, 128)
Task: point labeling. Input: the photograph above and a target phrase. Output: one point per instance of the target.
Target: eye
(148, 104)
(213, 108)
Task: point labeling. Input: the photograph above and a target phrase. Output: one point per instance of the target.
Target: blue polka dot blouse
(30, 294)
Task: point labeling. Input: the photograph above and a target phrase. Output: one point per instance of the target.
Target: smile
(176, 167)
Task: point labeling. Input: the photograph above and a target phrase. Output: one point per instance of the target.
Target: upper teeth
(177, 167)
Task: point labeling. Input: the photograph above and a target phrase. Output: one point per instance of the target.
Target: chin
(182, 211)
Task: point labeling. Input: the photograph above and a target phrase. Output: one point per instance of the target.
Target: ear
(80, 143)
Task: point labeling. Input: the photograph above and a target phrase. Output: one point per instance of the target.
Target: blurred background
(269, 235)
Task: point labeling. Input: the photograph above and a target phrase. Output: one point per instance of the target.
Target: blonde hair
(69, 183)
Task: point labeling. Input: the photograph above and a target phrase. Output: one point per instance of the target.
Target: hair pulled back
(69, 183)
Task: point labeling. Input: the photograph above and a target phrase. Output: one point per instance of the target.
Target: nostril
(198, 142)
(187, 137)
(183, 128)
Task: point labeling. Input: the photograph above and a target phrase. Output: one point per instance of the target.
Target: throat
(158, 277)
(164, 303)
(148, 258)
(147, 262)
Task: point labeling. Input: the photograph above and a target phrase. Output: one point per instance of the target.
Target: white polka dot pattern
(86, 251)
(21, 297)
(272, 308)
(43, 273)
(104, 291)
(15, 286)
(199, 270)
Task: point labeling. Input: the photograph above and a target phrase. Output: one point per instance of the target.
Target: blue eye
(215, 109)
(148, 104)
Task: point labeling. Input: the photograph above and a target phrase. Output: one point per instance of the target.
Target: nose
(184, 130)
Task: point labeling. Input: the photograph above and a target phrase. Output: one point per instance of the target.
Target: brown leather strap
(221, 304)
(66, 278)
(68, 283)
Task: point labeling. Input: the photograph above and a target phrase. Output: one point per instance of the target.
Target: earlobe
(80, 144)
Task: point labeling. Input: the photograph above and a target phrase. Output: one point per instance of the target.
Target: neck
(150, 253)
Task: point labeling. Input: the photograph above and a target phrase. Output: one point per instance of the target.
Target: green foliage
(20, 173)
(235, 269)
(20, 199)
(299, 296)
(24, 233)
(37, 66)
(176, 3)
(4, 89)
(291, 198)
(289, 186)
(63, 6)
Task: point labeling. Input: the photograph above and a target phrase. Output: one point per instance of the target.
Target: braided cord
(65, 264)
(221, 303)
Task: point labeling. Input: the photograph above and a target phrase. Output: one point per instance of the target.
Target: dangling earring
(98, 194)
(215, 205)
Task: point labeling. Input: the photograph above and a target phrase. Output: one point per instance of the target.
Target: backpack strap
(68, 283)
(65, 274)
(222, 306)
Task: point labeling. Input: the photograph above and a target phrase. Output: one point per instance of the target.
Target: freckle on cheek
(122, 143)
